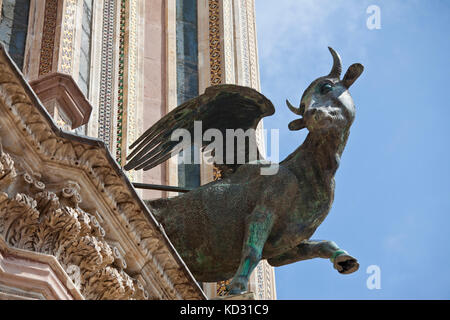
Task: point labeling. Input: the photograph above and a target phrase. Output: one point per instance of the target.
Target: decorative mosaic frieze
(222, 288)
(48, 37)
(215, 48)
(121, 96)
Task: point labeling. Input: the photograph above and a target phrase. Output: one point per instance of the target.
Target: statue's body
(224, 228)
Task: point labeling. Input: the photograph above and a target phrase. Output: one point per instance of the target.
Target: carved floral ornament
(49, 222)
(48, 218)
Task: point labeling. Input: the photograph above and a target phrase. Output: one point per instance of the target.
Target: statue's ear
(353, 73)
(297, 124)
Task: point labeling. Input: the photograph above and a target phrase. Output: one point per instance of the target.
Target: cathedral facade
(80, 81)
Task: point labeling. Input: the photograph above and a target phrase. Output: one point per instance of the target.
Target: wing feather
(221, 107)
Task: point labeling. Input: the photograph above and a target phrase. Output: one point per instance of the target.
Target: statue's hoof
(237, 286)
(346, 264)
(235, 291)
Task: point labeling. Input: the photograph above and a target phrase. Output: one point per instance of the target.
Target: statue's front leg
(258, 226)
(310, 249)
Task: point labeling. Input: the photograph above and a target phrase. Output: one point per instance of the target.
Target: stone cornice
(62, 88)
(147, 253)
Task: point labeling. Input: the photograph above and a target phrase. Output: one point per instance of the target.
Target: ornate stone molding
(129, 125)
(107, 74)
(39, 213)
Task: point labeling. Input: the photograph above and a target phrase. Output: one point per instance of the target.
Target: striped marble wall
(187, 74)
(14, 28)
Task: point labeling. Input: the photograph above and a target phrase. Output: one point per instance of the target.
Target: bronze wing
(221, 107)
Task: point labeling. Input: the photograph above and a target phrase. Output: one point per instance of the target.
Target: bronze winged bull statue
(224, 228)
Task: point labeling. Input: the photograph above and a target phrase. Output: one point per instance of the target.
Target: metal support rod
(160, 187)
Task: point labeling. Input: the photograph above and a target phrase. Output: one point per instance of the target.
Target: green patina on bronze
(224, 228)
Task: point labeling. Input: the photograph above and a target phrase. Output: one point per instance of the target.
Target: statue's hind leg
(258, 226)
(310, 249)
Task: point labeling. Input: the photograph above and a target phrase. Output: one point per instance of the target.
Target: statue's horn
(337, 64)
(295, 110)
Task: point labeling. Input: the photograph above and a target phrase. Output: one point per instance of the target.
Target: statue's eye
(325, 88)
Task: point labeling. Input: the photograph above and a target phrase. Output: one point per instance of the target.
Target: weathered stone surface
(64, 195)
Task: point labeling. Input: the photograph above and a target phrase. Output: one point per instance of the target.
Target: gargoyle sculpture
(224, 228)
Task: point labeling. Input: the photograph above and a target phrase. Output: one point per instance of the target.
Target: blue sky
(392, 201)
